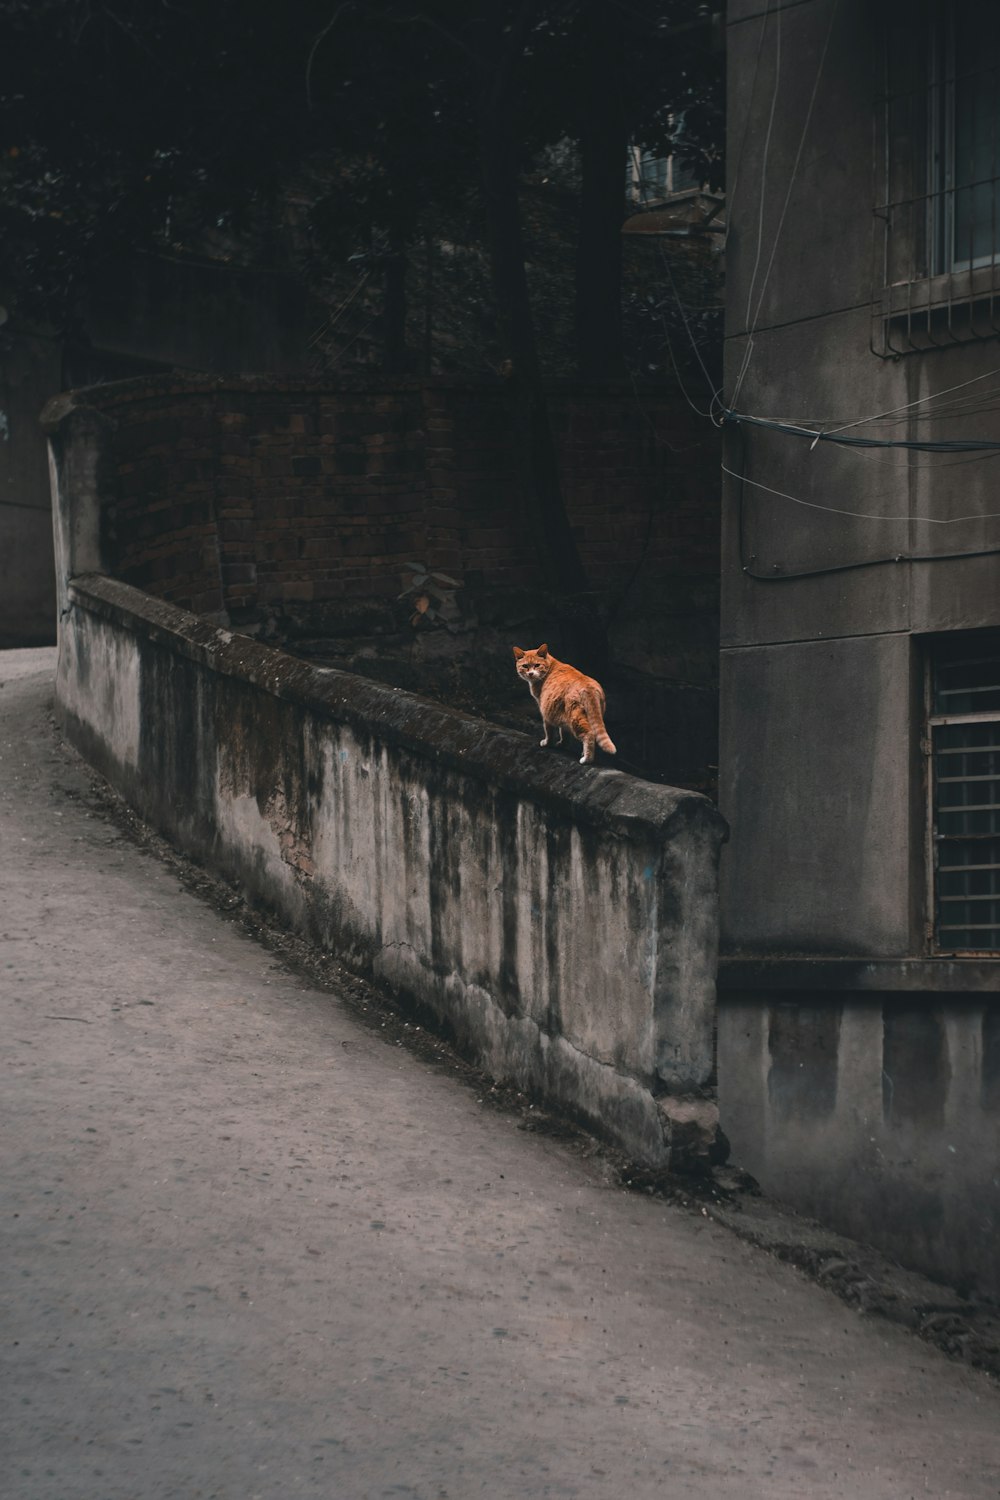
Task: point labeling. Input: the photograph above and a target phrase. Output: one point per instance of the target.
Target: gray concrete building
(859, 1028)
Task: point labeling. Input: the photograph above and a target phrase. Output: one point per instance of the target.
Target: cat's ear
(543, 650)
(518, 652)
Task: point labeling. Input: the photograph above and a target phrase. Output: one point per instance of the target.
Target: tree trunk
(533, 430)
(603, 137)
(394, 305)
(428, 361)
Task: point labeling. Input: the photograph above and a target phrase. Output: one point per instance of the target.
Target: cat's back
(569, 685)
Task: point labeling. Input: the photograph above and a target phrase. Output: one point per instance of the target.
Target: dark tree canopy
(360, 137)
(151, 123)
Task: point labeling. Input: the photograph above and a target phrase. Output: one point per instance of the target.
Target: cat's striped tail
(605, 741)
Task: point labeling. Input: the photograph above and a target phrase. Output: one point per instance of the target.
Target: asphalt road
(252, 1250)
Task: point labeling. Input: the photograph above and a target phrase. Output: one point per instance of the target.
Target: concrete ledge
(601, 797)
(176, 383)
(915, 976)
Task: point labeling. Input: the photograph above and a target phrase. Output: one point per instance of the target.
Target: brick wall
(240, 493)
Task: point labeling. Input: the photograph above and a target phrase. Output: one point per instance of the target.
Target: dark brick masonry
(242, 493)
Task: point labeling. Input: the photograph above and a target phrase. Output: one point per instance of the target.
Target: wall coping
(930, 976)
(180, 384)
(609, 800)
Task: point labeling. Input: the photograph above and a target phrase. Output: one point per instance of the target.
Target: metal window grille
(964, 746)
(656, 179)
(938, 269)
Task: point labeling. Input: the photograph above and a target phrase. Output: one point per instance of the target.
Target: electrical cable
(957, 407)
(861, 515)
(338, 312)
(958, 410)
(707, 415)
(691, 338)
(752, 326)
(332, 364)
(908, 465)
(916, 445)
(862, 421)
(746, 125)
(778, 576)
(745, 363)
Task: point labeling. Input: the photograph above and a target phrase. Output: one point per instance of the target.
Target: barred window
(964, 159)
(656, 179)
(964, 747)
(938, 280)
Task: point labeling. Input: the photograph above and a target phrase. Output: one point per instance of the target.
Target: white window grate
(964, 743)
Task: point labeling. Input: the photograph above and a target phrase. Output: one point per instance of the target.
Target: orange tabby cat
(567, 700)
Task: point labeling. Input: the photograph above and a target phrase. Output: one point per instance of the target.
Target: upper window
(964, 747)
(653, 179)
(939, 276)
(963, 206)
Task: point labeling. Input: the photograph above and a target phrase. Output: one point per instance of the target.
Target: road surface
(254, 1252)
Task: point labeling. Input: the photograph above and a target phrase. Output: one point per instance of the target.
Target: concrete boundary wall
(561, 920)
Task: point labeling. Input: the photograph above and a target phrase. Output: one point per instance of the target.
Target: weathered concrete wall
(876, 1111)
(561, 921)
(822, 729)
(856, 1067)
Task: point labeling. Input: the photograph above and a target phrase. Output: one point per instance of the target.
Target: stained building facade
(859, 1030)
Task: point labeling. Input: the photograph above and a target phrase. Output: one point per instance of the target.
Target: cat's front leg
(549, 729)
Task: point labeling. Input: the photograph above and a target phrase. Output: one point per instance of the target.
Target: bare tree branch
(347, 5)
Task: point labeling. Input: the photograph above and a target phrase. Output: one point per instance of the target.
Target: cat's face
(533, 666)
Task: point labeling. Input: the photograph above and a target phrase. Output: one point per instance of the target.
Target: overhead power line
(838, 437)
(861, 515)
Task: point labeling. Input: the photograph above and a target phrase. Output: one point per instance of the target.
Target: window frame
(933, 838)
(944, 186)
(924, 296)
